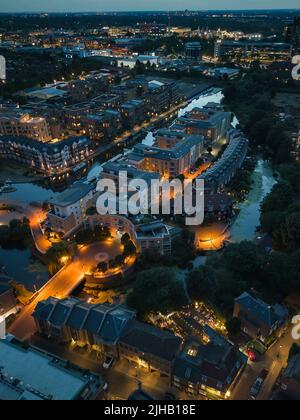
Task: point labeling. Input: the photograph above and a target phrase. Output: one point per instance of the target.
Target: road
(34, 214)
(273, 361)
(64, 282)
(122, 379)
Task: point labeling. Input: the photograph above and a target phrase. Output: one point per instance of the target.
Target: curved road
(64, 282)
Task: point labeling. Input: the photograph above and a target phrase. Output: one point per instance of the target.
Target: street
(273, 361)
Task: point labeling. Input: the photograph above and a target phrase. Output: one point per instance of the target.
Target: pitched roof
(151, 340)
(261, 310)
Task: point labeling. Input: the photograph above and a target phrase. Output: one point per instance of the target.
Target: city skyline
(133, 5)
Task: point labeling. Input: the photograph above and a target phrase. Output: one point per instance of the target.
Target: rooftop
(72, 195)
(30, 374)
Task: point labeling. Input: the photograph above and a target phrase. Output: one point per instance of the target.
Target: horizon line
(152, 11)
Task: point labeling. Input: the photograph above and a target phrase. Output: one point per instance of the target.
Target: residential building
(101, 126)
(68, 209)
(133, 112)
(111, 329)
(162, 96)
(222, 172)
(17, 124)
(31, 375)
(149, 348)
(156, 236)
(99, 326)
(170, 162)
(211, 121)
(259, 320)
(50, 159)
(210, 369)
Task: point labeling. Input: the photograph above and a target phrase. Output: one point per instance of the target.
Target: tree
(290, 232)
(129, 249)
(233, 326)
(243, 259)
(202, 284)
(56, 254)
(279, 198)
(102, 267)
(125, 238)
(119, 260)
(184, 249)
(157, 290)
(84, 237)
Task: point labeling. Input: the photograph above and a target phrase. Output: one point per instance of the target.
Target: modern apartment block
(18, 124)
(49, 158)
(133, 112)
(161, 97)
(68, 210)
(32, 375)
(169, 162)
(211, 121)
(156, 236)
(221, 173)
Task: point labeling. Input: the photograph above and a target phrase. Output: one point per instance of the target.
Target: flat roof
(72, 195)
(39, 371)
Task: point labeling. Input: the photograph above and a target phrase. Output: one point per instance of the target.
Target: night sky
(129, 5)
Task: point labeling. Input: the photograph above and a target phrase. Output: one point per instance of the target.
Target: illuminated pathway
(63, 283)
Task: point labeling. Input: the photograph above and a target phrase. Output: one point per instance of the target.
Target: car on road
(108, 362)
(258, 384)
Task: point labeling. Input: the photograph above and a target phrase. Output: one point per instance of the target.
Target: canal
(20, 265)
(246, 223)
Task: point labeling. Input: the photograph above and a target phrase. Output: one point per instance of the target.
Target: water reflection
(245, 226)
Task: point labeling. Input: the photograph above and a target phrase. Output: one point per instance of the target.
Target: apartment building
(211, 121)
(156, 236)
(179, 158)
(17, 124)
(68, 209)
(133, 112)
(222, 172)
(101, 126)
(47, 158)
(162, 96)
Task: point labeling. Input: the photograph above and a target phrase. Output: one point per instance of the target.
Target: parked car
(251, 354)
(258, 384)
(108, 362)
